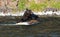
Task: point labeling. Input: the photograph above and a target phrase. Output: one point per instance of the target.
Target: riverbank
(43, 13)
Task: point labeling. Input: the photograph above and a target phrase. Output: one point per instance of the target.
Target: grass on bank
(37, 7)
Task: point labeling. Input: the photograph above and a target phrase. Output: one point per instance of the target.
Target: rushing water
(48, 27)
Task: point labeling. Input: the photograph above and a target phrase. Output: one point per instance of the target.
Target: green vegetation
(56, 5)
(37, 7)
(21, 4)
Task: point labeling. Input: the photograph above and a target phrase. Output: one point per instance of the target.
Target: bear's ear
(27, 9)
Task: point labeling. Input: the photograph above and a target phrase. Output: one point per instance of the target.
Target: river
(48, 27)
